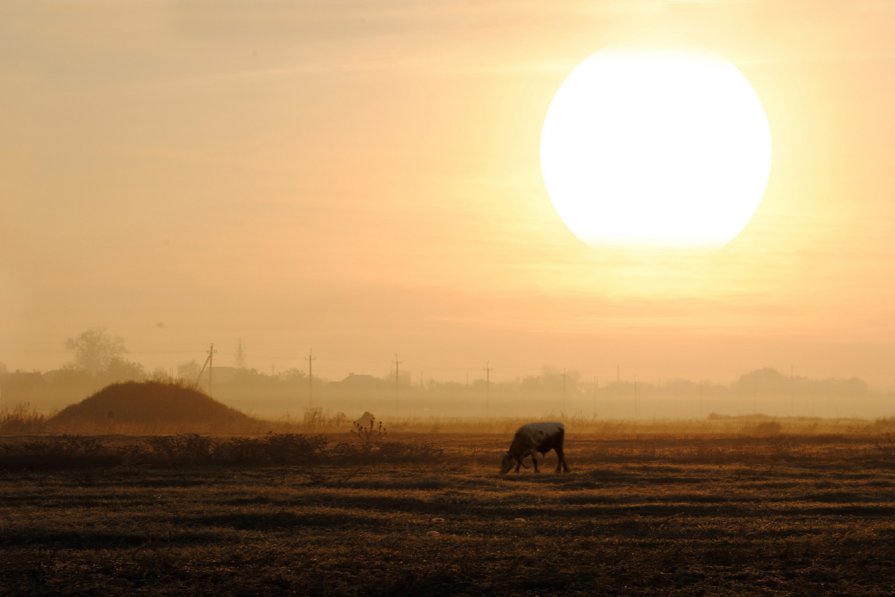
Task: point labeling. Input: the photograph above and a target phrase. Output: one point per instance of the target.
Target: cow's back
(538, 435)
(542, 430)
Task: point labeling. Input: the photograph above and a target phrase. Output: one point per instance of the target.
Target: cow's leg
(534, 460)
(560, 455)
(518, 464)
(561, 465)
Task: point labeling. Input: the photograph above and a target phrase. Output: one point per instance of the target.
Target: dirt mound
(150, 406)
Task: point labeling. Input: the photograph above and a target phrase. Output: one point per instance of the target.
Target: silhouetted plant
(22, 419)
(292, 448)
(279, 449)
(407, 452)
(64, 452)
(369, 436)
(765, 429)
(885, 444)
(313, 418)
(73, 451)
(181, 449)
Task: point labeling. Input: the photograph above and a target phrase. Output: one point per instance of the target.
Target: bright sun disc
(650, 149)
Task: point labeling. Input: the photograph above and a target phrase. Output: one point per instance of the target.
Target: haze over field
(399, 297)
(364, 179)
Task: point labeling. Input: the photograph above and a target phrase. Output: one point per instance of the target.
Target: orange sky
(363, 178)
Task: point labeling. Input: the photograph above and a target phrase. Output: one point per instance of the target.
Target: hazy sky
(363, 178)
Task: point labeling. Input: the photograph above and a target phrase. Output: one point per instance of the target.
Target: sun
(655, 149)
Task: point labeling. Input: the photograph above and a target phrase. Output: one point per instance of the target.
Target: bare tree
(188, 371)
(95, 351)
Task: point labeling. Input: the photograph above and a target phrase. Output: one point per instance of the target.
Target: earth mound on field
(150, 406)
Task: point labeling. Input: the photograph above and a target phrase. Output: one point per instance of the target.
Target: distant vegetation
(276, 395)
(75, 451)
(98, 360)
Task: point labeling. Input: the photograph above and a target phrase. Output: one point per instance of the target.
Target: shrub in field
(71, 451)
(241, 450)
(292, 448)
(272, 449)
(67, 451)
(886, 424)
(180, 449)
(369, 436)
(316, 420)
(765, 429)
(313, 418)
(392, 452)
(21, 420)
(407, 452)
(371, 446)
(289, 448)
(885, 445)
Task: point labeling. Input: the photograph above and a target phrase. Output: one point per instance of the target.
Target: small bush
(370, 436)
(278, 449)
(765, 429)
(180, 449)
(404, 452)
(315, 419)
(885, 445)
(64, 452)
(21, 420)
(292, 448)
(68, 451)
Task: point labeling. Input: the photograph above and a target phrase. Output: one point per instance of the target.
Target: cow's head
(508, 462)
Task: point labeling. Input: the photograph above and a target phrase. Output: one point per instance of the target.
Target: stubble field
(660, 515)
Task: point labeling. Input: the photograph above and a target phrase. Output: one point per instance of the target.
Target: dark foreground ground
(661, 516)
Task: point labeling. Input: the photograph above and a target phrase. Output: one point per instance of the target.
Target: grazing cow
(531, 439)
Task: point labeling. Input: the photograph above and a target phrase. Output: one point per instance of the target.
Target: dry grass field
(730, 515)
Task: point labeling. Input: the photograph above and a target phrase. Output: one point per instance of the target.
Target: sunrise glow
(655, 149)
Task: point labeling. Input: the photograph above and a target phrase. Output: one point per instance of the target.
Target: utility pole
(792, 408)
(210, 367)
(310, 358)
(488, 386)
(240, 360)
(209, 364)
(564, 390)
(635, 396)
(596, 383)
(397, 379)
(702, 385)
